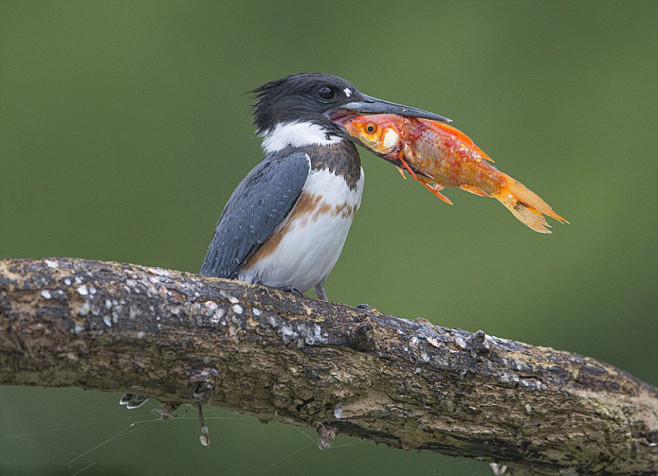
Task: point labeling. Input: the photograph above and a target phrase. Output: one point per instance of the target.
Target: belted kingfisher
(286, 223)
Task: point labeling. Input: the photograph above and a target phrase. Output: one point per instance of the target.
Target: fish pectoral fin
(406, 167)
(475, 190)
(401, 170)
(435, 189)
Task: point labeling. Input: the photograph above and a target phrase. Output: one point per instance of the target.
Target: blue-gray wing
(257, 206)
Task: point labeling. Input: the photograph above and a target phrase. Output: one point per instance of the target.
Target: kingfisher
(286, 223)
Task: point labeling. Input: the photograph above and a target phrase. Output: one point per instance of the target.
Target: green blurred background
(124, 129)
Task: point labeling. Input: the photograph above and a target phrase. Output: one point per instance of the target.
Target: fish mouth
(340, 116)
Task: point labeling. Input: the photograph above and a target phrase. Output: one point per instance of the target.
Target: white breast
(313, 242)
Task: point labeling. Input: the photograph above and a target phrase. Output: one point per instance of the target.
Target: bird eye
(371, 128)
(326, 92)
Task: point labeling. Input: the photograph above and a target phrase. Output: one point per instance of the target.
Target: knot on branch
(362, 338)
(203, 382)
(478, 343)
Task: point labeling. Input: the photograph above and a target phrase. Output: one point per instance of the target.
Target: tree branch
(181, 337)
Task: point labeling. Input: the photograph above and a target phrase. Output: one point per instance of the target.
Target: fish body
(438, 155)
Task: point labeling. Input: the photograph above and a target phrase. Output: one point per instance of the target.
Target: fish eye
(326, 92)
(371, 128)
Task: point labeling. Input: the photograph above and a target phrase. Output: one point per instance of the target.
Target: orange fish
(438, 155)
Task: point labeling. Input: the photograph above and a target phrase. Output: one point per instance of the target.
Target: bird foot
(290, 289)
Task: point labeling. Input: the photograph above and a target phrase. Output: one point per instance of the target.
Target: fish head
(380, 133)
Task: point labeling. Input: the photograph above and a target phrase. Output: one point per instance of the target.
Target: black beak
(371, 105)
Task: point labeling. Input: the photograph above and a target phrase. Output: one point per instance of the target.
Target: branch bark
(181, 337)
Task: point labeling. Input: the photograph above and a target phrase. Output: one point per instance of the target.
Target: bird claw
(290, 289)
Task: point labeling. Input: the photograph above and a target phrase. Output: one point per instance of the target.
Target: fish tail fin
(526, 205)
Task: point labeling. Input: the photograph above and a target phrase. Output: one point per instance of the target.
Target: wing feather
(257, 206)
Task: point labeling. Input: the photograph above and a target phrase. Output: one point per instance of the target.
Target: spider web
(70, 432)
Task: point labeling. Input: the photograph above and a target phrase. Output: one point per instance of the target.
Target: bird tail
(526, 205)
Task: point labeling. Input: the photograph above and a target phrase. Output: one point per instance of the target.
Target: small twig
(204, 438)
(166, 410)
